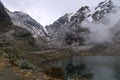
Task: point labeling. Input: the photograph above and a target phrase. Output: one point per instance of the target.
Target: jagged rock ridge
(67, 29)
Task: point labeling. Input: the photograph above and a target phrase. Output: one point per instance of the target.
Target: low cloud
(102, 31)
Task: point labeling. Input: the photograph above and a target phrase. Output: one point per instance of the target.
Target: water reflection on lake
(92, 67)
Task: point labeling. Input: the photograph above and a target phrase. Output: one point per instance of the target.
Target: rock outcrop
(5, 21)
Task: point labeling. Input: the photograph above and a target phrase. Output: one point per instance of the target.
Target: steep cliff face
(69, 29)
(5, 21)
(66, 30)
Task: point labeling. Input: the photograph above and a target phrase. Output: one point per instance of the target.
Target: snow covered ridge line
(86, 26)
(25, 21)
(96, 13)
(88, 13)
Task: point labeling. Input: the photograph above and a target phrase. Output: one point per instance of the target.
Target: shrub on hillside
(24, 64)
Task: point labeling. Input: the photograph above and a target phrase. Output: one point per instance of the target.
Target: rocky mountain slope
(14, 35)
(25, 21)
(87, 28)
(69, 26)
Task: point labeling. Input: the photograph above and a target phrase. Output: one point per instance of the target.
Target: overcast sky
(47, 11)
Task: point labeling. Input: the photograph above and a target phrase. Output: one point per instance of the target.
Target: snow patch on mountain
(25, 21)
(86, 26)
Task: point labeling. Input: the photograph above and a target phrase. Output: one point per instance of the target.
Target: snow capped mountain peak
(24, 20)
(95, 13)
(68, 28)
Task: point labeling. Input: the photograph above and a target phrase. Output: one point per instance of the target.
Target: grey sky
(47, 11)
